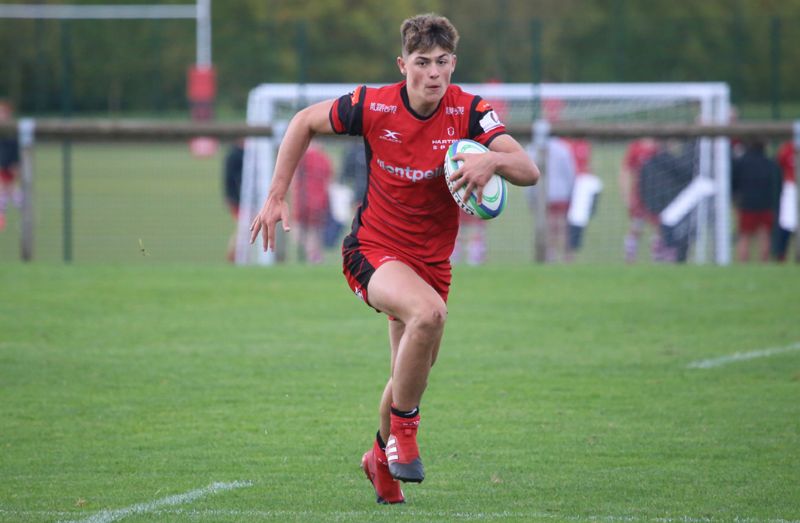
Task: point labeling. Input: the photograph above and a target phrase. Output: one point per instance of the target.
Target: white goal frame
(200, 12)
(714, 158)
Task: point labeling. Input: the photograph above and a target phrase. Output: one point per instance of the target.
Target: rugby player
(396, 257)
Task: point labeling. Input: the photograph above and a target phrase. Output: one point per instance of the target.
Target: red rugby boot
(375, 466)
(402, 451)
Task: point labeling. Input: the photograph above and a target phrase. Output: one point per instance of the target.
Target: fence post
(541, 133)
(775, 66)
(66, 144)
(26, 128)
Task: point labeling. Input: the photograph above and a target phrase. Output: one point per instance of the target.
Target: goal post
(706, 223)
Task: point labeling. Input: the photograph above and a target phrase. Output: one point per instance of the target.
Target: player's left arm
(505, 157)
(512, 161)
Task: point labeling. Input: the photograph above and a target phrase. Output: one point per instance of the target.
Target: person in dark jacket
(755, 187)
(232, 188)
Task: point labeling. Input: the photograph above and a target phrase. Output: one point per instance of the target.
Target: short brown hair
(424, 32)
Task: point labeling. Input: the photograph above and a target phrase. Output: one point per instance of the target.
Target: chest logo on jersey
(391, 136)
(378, 107)
(411, 173)
(454, 111)
(444, 143)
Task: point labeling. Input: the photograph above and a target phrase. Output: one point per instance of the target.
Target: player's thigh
(400, 292)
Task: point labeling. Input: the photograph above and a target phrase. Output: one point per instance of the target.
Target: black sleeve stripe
(334, 108)
(490, 140)
(475, 128)
(473, 117)
(351, 113)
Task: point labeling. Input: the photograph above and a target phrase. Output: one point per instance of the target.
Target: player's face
(427, 77)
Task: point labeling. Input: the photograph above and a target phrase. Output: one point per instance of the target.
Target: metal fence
(139, 193)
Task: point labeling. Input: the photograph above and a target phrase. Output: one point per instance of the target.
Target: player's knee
(430, 318)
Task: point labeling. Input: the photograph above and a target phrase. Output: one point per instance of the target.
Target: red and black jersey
(407, 205)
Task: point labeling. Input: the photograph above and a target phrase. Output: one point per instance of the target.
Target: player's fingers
(458, 180)
(255, 227)
(456, 175)
(468, 192)
(269, 237)
(479, 195)
(459, 161)
(285, 219)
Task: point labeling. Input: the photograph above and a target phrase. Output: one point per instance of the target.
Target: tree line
(129, 66)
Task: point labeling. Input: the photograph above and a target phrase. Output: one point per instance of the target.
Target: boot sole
(408, 472)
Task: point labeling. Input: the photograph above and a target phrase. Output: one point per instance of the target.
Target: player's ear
(401, 64)
(455, 59)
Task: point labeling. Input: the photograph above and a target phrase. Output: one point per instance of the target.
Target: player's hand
(275, 210)
(474, 173)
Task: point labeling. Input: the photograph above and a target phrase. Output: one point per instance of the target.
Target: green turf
(121, 194)
(561, 394)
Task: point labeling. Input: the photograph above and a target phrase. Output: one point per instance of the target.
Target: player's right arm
(302, 128)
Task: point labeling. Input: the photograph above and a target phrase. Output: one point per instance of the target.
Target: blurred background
(139, 67)
(146, 202)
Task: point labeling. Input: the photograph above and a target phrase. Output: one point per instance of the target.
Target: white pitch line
(107, 516)
(742, 356)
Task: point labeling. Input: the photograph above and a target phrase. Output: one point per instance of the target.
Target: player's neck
(419, 105)
(422, 107)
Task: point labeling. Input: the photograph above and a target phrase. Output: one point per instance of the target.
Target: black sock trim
(379, 439)
(410, 414)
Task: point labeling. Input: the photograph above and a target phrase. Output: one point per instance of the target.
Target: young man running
(396, 258)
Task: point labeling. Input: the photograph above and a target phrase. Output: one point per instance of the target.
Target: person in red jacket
(311, 201)
(637, 154)
(10, 191)
(397, 255)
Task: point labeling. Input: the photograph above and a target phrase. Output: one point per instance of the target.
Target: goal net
(601, 200)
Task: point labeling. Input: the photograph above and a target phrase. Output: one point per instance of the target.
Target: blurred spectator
(354, 171)
(560, 172)
(755, 187)
(311, 201)
(10, 190)
(582, 154)
(787, 211)
(351, 188)
(232, 187)
(663, 176)
(471, 241)
(638, 153)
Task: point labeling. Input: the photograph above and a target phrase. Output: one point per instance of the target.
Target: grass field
(210, 393)
(121, 194)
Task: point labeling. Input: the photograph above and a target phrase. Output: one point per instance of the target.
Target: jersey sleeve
(347, 112)
(484, 123)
